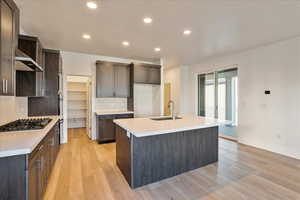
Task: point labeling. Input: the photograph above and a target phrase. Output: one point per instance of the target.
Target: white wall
(266, 121)
(178, 77)
(12, 108)
(85, 65)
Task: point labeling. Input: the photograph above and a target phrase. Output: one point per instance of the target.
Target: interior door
(167, 98)
(89, 110)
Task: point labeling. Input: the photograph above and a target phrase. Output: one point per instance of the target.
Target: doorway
(218, 98)
(79, 103)
(167, 98)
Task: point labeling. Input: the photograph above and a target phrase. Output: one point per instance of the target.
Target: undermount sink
(164, 118)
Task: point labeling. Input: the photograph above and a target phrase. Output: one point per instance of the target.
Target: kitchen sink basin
(164, 118)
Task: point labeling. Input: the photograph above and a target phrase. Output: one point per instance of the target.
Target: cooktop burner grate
(26, 124)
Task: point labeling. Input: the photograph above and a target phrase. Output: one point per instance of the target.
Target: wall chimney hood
(25, 63)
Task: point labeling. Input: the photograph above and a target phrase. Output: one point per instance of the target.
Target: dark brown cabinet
(147, 73)
(25, 177)
(9, 20)
(31, 83)
(106, 127)
(122, 81)
(105, 79)
(50, 103)
(112, 79)
(41, 162)
(36, 175)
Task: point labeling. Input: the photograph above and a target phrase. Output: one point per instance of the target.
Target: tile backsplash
(12, 108)
(111, 104)
(146, 101)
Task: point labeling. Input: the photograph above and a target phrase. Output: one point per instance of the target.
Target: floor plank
(86, 170)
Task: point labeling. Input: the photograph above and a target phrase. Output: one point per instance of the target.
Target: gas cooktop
(26, 124)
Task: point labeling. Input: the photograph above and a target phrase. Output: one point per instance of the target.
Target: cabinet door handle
(6, 86)
(42, 163)
(53, 142)
(39, 163)
(3, 86)
(41, 147)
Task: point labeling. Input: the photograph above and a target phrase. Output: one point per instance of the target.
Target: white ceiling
(218, 26)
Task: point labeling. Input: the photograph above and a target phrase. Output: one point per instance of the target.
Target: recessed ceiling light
(125, 43)
(187, 32)
(91, 5)
(147, 20)
(86, 36)
(157, 49)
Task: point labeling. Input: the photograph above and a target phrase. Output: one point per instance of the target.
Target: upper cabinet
(32, 47)
(31, 83)
(105, 79)
(122, 81)
(113, 79)
(9, 14)
(147, 73)
(49, 104)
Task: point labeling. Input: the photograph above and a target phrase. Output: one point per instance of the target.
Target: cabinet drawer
(124, 116)
(43, 142)
(106, 116)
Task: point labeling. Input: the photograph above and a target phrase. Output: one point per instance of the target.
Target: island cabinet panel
(153, 158)
(123, 152)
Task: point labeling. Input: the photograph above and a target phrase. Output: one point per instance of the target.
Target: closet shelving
(77, 104)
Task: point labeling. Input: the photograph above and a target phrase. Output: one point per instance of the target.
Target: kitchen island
(149, 150)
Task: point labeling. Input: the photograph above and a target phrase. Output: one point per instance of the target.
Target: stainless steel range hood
(25, 63)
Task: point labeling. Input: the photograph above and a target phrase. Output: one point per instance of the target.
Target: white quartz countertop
(23, 142)
(141, 127)
(113, 112)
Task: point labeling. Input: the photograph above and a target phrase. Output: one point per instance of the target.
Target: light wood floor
(85, 170)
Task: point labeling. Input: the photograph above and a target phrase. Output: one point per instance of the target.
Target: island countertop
(23, 142)
(141, 127)
(112, 112)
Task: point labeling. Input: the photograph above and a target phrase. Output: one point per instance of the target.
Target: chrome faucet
(171, 106)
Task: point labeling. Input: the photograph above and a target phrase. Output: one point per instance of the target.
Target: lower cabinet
(35, 178)
(41, 162)
(106, 128)
(25, 177)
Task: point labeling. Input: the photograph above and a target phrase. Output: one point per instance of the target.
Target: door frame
(65, 105)
(215, 70)
(165, 102)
